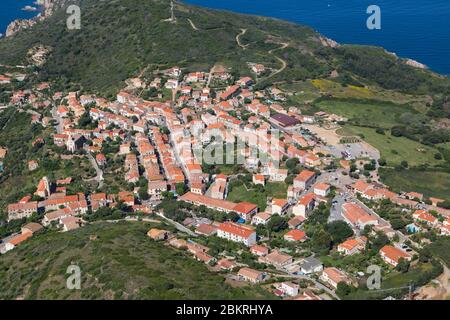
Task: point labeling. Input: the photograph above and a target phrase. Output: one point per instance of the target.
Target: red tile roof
(233, 228)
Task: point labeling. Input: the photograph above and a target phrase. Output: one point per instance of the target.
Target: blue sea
(12, 9)
(417, 29)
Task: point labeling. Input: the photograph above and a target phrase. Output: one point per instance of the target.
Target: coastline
(45, 8)
(406, 30)
(36, 8)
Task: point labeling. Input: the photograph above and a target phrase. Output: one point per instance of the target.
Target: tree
(397, 223)
(233, 216)
(438, 156)
(290, 179)
(425, 255)
(382, 162)
(379, 130)
(445, 204)
(180, 188)
(277, 224)
(403, 265)
(321, 241)
(85, 120)
(143, 194)
(380, 241)
(343, 289)
(404, 164)
(339, 231)
(397, 131)
(292, 163)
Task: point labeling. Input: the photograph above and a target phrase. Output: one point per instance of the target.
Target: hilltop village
(289, 211)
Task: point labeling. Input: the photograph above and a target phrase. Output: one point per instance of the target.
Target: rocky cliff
(47, 8)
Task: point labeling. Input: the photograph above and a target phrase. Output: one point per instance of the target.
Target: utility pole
(411, 287)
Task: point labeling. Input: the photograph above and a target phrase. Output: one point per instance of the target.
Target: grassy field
(439, 249)
(430, 183)
(398, 282)
(394, 149)
(367, 113)
(122, 263)
(272, 189)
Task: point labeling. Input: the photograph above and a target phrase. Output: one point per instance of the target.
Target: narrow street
(316, 283)
(99, 176)
(177, 225)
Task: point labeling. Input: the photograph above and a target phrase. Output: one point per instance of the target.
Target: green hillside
(120, 38)
(121, 263)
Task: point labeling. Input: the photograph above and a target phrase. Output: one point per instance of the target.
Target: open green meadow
(394, 149)
(272, 189)
(430, 183)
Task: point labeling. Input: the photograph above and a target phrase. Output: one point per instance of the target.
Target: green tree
(321, 241)
(403, 265)
(143, 194)
(180, 188)
(277, 224)
(339, 231)
(343, 289)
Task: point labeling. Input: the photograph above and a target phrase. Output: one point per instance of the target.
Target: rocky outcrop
(38, 55)
(326, 42)
(18, 25)
(48, 7)
(415, 64)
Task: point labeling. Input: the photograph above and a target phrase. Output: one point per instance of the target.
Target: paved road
(316, 283)
(99, 176)
(57, 118)
(238, 40)
(193, 25)
(177, 225)
(336, 209)
(283, 62)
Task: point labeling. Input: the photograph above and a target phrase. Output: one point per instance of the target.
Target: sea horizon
(414, 29)
(12, 10)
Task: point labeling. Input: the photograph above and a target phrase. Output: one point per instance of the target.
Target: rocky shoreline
(47, 8)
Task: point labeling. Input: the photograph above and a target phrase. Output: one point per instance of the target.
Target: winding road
(177, 225)
(316, 283)
(99, 176)
(283, 62)
(238, 40)
(193, 25)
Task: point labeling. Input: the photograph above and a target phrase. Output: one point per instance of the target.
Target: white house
(234, 232)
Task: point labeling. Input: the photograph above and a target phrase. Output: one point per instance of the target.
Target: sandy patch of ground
(329, 136)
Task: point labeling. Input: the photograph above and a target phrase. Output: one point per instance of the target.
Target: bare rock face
(415, 64)
(48, 7)
(326, 42)
(334, 74)
(18, 25)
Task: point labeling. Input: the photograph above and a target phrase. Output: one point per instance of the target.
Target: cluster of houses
(163, 142)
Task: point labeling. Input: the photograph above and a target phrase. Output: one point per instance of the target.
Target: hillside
(121, 38)
(121, 263)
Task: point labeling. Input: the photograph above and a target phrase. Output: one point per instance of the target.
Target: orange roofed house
(304, 179)
(251, 275)
(237, 233)
(392, 255)
(352, 246)
(244, 209)
(357, 216)
(334, 276)
(295, 235)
